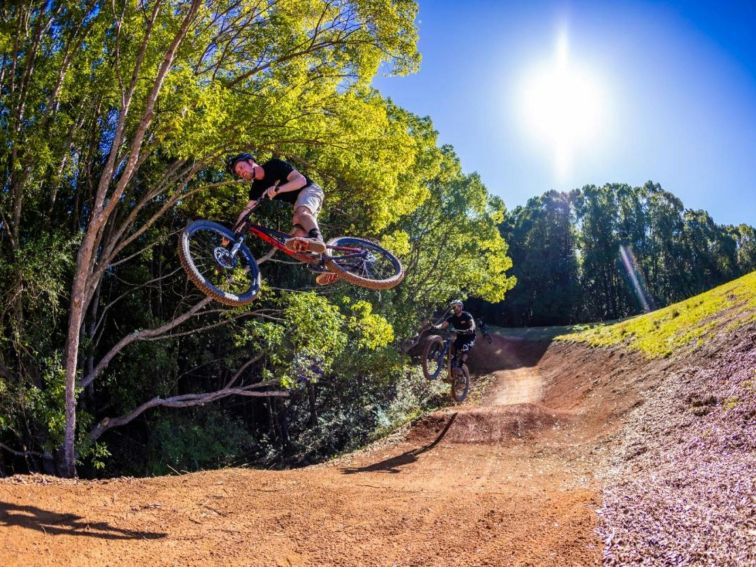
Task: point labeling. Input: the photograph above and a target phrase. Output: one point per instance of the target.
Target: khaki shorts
(311, 197)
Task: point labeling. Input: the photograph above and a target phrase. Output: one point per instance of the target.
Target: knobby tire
(382, 270)
(433, 357)
(460, 383)
(250, 274)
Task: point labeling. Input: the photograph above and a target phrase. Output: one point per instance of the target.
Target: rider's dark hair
(231, 161)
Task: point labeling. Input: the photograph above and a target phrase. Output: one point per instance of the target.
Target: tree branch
(21, 453)
(185, 401)
(140, 335)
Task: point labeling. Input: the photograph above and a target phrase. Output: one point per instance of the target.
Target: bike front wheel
(460, 384)
(363, 263)
(206, 253)
(433, 358)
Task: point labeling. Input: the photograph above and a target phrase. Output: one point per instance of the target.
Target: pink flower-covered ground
(680, 490)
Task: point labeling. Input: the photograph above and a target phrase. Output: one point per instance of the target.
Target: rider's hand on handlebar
(271, 191)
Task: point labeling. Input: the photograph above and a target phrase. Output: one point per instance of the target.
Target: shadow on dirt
(394, 464)
(54, 523)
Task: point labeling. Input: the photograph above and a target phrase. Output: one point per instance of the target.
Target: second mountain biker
(464, 325)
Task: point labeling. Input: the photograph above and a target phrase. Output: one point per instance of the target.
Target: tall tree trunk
(85, 281)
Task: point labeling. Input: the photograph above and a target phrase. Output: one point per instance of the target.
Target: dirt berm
(507, 479)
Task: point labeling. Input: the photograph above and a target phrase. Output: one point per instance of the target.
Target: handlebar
(241, 226)
(463, 331)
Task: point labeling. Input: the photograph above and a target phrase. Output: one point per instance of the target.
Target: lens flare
(636, 277)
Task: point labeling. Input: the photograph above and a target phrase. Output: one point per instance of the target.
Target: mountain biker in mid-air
(464, 325)
(278, 178)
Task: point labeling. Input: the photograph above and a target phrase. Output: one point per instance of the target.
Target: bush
(203, 438)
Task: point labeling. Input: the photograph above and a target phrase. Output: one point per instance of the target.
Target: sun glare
(562, 107)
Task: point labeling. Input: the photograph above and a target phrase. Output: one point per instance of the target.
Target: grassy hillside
(680, 325)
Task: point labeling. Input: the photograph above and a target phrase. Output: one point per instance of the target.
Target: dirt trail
(519, 386)
(506, 481)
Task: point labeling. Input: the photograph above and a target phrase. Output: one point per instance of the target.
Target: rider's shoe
(326, 278)
(316, 245)
(302, 244)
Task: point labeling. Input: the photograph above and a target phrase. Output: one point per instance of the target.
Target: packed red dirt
(508, 478)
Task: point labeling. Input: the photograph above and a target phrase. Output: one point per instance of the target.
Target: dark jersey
(462, 323)
(275, 170)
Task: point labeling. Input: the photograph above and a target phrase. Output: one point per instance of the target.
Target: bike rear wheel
(460, 384)
(433, 358)
(363, 263)
(205, 253)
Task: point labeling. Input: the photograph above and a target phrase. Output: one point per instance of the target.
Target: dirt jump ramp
(506, 480)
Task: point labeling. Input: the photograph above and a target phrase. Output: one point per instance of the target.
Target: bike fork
(235, 248)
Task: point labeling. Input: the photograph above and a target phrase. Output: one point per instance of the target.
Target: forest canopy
(115, 118)
(604, 253)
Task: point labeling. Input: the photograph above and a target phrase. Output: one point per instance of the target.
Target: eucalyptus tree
(632, 249)
(113, 113)
(451, 242)
(542, 241)
(596, 212)
(746, 247)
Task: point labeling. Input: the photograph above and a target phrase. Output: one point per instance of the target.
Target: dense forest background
(604, 253)
(115, 118)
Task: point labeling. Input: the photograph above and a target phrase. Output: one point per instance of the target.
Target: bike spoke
(232, 278)
(364, 259)
(436, 359)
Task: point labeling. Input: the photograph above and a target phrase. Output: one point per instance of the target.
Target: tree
(118, 107)
(631, 248)
(114, 118)
(541, 236)
(746, 247)
(451, 242)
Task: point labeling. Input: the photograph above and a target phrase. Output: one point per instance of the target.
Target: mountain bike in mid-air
(217, 260)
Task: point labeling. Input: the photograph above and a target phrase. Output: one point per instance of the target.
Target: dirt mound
(509, 481)
(489, 425)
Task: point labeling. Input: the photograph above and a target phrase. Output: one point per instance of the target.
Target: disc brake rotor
(223, 258)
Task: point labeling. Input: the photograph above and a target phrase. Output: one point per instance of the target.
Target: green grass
(679, 326)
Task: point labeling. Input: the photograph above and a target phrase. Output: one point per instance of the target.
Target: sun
(562, 106)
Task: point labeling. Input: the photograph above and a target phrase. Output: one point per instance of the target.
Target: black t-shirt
(275, 170)
(462, 323)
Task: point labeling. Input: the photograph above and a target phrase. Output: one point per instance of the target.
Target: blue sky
(669, 88)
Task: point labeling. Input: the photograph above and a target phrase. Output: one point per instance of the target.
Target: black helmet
(231, 161)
